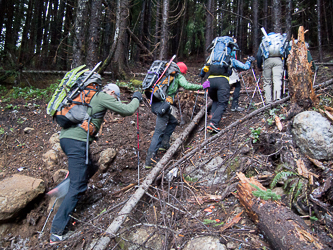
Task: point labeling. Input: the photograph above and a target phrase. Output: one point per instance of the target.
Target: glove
(206, 84)
(137, 95)
(251, 59)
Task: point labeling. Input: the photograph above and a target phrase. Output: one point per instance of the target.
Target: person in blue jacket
(219, 89)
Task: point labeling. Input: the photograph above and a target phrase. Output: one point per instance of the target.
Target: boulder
(206, 242)
(16, 192)
(313, 134)
(50, 158)
(148, 236)
(106, 158)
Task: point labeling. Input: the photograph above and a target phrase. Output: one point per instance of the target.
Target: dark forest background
(62, 34)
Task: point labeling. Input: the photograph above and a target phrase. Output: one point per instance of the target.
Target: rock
(278, 191)
(54, 139)
(206, 242)
(27, 130)
(16, 192)
(106, 158)
(140, 236)
(231, 245)
(59, 175)
(313, 134)
(50, 158)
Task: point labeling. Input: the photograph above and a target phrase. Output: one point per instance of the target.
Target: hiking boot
(150, 160)
(54, 239)
(238, 109)
(211, 128)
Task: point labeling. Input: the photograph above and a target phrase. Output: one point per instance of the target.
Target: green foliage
(314, 218)
(279, 176)
(28, 93)
(255, 133)
(265, 195)
(213, 222)
(195, 30)
(2, 131)
(190, 179)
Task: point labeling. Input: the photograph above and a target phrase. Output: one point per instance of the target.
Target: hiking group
(80, 103)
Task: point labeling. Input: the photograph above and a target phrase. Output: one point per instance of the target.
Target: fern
(265, 195)
(298, 189)
(281, 175)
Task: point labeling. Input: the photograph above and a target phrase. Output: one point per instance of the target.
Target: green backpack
(63, 89)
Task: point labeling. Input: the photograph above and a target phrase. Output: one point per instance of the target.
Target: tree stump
(281, 227)
(300, 74)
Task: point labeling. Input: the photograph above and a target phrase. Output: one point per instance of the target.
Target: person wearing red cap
(165, 121)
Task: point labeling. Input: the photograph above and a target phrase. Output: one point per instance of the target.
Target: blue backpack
(273, 45)
(219, 58)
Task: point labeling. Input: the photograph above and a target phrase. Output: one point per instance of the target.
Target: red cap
(182, 67)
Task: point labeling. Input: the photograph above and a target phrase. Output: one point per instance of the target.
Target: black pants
(165, 125)
(219, 92)
(79, 174)
(235, 96)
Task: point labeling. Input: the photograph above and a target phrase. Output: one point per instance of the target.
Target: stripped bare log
(132, 202)
(282, 227)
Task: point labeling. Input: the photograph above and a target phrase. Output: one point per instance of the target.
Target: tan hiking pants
(273, 73)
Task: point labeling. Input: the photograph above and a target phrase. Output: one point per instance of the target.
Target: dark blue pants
(79, 174)
(165, 125)
(219, 92)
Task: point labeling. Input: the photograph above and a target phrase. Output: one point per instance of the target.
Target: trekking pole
(138, 135)
(314, 78)
(247, 93)
(206, 94)
(41, 232)
(255, 78)
(180, 111)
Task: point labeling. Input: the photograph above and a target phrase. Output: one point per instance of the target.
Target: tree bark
(93, 55)
(300, 75)
(282, 227)
(277, 16)
(131, 203)
(80, 28)
(165, 30)
(209, 27)
(320, 50)
(289, 18)
(255, 7)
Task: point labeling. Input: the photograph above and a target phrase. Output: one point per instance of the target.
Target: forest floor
(21, 153)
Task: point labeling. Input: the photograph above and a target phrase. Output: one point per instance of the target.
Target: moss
(136, 83)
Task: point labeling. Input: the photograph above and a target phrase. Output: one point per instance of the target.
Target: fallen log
(132, 202)
(281, 227)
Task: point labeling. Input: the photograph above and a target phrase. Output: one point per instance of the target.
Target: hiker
(166, 121)
(219, 91)
(73, 143)
(270, 53)
(235, 83)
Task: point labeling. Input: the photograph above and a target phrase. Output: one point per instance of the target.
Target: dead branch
(132, 202)
(283, 228)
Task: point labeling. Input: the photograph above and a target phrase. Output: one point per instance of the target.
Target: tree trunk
(93, 55)
(255, 7)
(165, 30)
(24, 44)
(157, 27)
(80, 28)
(320, 50)
(277, 16)
(281, 227)
(121, 50)
(300, 75)
(209, 27)
(288, 18)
